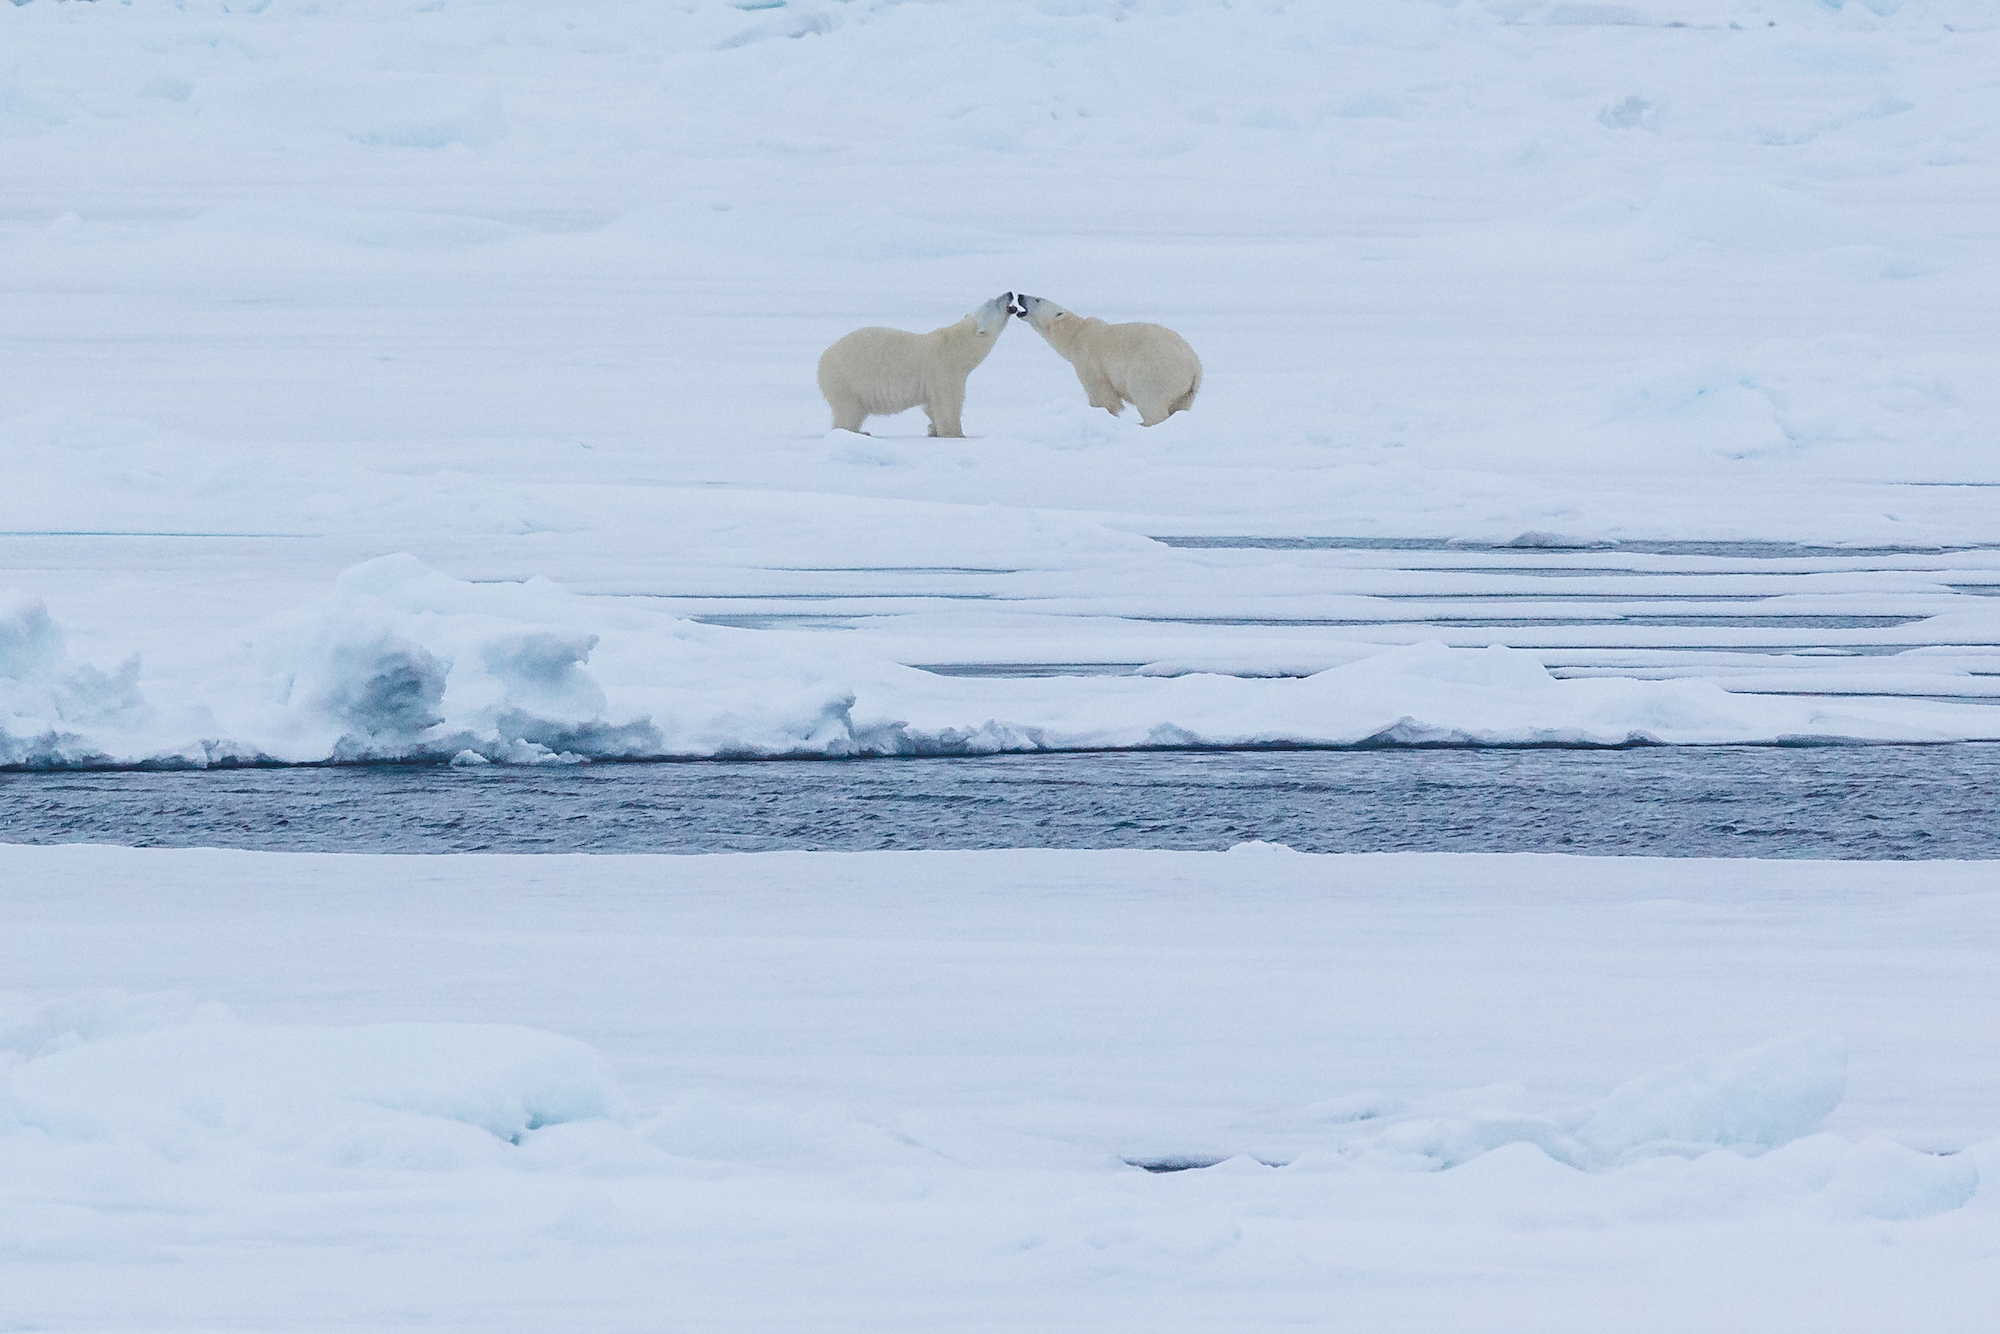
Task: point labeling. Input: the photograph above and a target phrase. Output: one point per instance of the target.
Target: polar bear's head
(1040, 312)
(991, 318)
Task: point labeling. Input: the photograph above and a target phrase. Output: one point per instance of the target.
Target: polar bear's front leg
(1101, 394)
(943, 409)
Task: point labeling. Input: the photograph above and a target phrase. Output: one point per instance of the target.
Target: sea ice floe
(399, 661)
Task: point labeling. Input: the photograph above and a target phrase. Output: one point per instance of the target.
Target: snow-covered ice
(433, 378)
(915, 1090)
(529, 294)
(401, 661)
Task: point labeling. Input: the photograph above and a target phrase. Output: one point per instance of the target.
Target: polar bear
(874, 372)
(1147, 365)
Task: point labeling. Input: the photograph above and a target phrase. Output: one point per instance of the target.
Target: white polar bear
(1148, 365)
(874, 372)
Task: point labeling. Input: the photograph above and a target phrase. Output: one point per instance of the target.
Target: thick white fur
(874, 372)
(1147, 365)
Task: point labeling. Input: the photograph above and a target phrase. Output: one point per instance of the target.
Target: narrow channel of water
(1839, 802)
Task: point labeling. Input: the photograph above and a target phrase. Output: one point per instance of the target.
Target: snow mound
(29, 1031)
(410, 1095)
(1879, 1178)
(1707, 1136)
(403, 660)
(1839, 399)
(48, 701)
(1751, 1100)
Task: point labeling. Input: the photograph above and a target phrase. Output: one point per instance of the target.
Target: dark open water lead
(1725, 801)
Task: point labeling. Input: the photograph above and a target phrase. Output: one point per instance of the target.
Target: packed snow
(1055, 1090)
(411, 379)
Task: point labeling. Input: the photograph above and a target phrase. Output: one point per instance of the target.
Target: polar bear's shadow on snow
(877, 372)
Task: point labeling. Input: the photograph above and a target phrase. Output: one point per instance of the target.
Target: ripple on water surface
(1842, 802)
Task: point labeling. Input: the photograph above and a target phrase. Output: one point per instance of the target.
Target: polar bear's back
(881, 368)
(1149, 361)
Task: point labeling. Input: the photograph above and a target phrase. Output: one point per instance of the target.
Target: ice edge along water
(400, 662)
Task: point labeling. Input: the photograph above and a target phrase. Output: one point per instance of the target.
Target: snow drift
(401, 662)
(162, 1077)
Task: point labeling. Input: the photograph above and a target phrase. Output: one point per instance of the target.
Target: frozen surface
(534, 293)
(924, 1090)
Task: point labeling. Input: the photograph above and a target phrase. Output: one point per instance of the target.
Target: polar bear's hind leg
(1180, 403)
(1153, 392)
(1186, 401)
(1161, 406)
